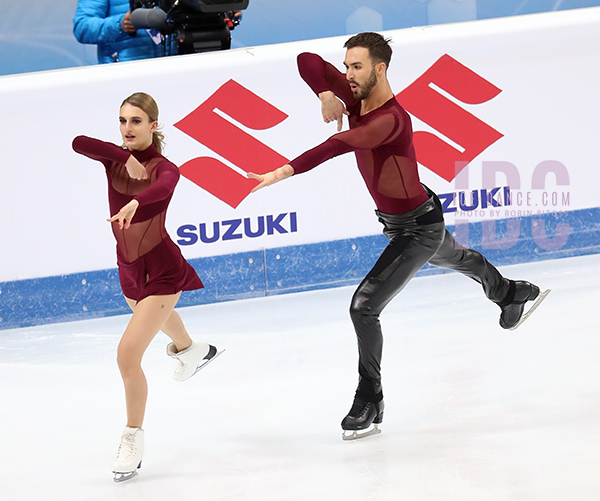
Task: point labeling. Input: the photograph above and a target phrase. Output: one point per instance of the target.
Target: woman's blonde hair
(148, 105)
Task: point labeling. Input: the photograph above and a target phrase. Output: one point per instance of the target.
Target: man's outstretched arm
(272, 177)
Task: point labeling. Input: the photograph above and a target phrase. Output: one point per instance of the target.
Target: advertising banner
(505, 118)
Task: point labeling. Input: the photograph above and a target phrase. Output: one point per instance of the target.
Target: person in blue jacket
(107, 24)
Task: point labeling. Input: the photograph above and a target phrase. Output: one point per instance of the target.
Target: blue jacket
(99, 22)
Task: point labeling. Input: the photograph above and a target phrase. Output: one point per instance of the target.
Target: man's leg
(471, 263)
(509, 295)
(398, 263)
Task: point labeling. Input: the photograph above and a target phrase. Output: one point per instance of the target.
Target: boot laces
(180, 366)
(127, 447)
(359, 407)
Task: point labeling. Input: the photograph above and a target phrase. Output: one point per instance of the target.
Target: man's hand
(332, 108)
(126, 25)
(125, 215)
(135, 169)
(271, 177)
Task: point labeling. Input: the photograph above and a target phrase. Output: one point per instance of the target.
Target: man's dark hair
(379, 47)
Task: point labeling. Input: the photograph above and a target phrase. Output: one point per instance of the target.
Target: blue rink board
(295, 268)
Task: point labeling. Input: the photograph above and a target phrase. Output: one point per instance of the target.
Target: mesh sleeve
(167, 177)
(100, 150)
(321, 76)
(377, 132)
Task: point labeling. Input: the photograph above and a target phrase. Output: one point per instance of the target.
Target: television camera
(194, 25)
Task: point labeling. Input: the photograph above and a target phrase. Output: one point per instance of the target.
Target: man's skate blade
(356, 434)
(203, 365)
(527, 314)
(123, 477)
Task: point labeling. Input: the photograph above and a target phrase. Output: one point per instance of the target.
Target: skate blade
(527, 314)
(123, 477)
(356, 434)
(205, 363)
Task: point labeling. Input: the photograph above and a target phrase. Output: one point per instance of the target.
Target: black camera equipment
(195, 25)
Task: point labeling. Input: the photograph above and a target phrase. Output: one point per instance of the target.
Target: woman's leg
(191, 355)
(173, 327)
(149, 316)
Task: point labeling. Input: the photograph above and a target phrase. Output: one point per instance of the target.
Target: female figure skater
(152, 271)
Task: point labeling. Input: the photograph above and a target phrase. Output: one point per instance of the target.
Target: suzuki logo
(423, 100)
(212, 124)
(231, 142)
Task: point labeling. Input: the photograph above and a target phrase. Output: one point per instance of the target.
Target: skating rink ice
(472, 412)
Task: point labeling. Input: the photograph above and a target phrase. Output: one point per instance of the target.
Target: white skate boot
(192, 359)
(129, 455)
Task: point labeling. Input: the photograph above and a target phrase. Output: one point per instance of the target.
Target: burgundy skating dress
(150, 263)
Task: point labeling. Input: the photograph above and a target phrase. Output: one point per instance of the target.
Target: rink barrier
(296, 268)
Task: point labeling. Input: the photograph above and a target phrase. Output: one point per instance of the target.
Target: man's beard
(365, 89)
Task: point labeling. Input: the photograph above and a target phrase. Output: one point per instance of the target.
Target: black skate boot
(363, 419)
(514, 303)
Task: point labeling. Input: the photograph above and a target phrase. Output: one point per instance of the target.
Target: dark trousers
(415, 238)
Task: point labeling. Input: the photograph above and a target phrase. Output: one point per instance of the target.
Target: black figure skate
(513, 305)
(363, 419)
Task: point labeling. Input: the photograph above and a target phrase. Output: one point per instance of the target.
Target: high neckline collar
(144, 155)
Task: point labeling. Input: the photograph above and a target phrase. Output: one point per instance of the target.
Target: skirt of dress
(161, 271)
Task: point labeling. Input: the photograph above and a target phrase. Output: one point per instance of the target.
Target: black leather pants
(416, 237)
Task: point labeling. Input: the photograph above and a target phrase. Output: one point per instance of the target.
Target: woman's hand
(125, 215)
(271, 177)
(135, 169)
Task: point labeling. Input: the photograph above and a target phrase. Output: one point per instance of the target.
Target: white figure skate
(192, 359)
(129, 455)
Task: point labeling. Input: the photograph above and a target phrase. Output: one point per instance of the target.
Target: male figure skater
(380, 135)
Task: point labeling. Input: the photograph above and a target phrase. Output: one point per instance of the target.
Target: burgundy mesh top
(153, 194)
(380, 139)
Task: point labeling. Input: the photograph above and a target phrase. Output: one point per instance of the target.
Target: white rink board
(53, 202)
